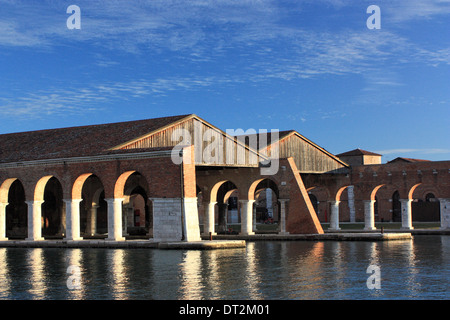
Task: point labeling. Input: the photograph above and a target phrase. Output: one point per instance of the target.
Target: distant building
(402, 190)
(406, 160)
(360, 157)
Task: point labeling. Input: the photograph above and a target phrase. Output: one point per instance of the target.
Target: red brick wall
(412, 180)
(162, 175)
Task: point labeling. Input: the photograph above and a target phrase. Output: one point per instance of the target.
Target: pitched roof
(76, 141)
(288, 133)
(270, 136)
(398, 159)
(358, 152)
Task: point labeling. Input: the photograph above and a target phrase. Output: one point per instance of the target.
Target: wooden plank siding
(213, 147)
(308, 157)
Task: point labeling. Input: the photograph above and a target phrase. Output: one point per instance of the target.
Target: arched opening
(319, 197)
(16, 212)
(426, 207)
(93, 207)
(396, 207)
(139, 221)
(53, 210)
(430, 197)
(137, 213)
(335, 215)
(227, 206)
(339, 193)
(266, 207)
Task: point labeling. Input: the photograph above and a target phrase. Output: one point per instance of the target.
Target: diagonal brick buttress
(301, 216)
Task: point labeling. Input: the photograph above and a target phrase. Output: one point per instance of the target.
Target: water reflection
(262, 270)
(191, 276)
(252, 276)
(117, 270)
(74, 259)
(37, 277)
(5, 280)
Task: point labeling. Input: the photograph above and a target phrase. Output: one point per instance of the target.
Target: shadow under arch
(12, 192)
(137, 213)
(266, 194)
(93, 208)
(49, 190)
(226, 198)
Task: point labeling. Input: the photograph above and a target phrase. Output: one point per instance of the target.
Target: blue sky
(311, 65)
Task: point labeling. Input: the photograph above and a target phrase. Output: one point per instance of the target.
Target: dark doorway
(16, 212)
(52, 210)
(396, 207)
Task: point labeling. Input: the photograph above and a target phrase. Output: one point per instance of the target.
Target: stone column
(115, 219)
(73, 219)
(34, 220)
(91, 227)
(445, 213)
(3, 221)
(283, 216)
(208, 218)
(190, 220)
(246, 216)
(334, 217)
(406, 214)
(254, 219)
(369, 215)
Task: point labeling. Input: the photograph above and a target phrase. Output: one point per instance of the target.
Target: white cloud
(411, 150)
(94, 98)
(404, 10)
(203, 31)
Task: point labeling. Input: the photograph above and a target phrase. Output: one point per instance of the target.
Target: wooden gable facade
(308, 156)
(213, 147)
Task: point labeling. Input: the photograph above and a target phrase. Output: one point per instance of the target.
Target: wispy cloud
(405, 10)
(400, 11)
(94, 98)
(412, 150)
(209, 29)
(251, 33)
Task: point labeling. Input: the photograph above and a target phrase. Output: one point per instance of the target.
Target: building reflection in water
(411, 264)
(74, 262)
(253, 278)
(262, 270)
(212, 281)
(306, 275)
(37, 278)
(213, 274)
(118, 277)
(5, 279)
(192, 269)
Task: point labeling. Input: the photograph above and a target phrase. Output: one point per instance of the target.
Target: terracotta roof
(75, 141)
(408, 160)
(358, 152)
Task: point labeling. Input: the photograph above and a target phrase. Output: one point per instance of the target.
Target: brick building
(115, 180)
(356, 187)
(168, 178)
(402, 190)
